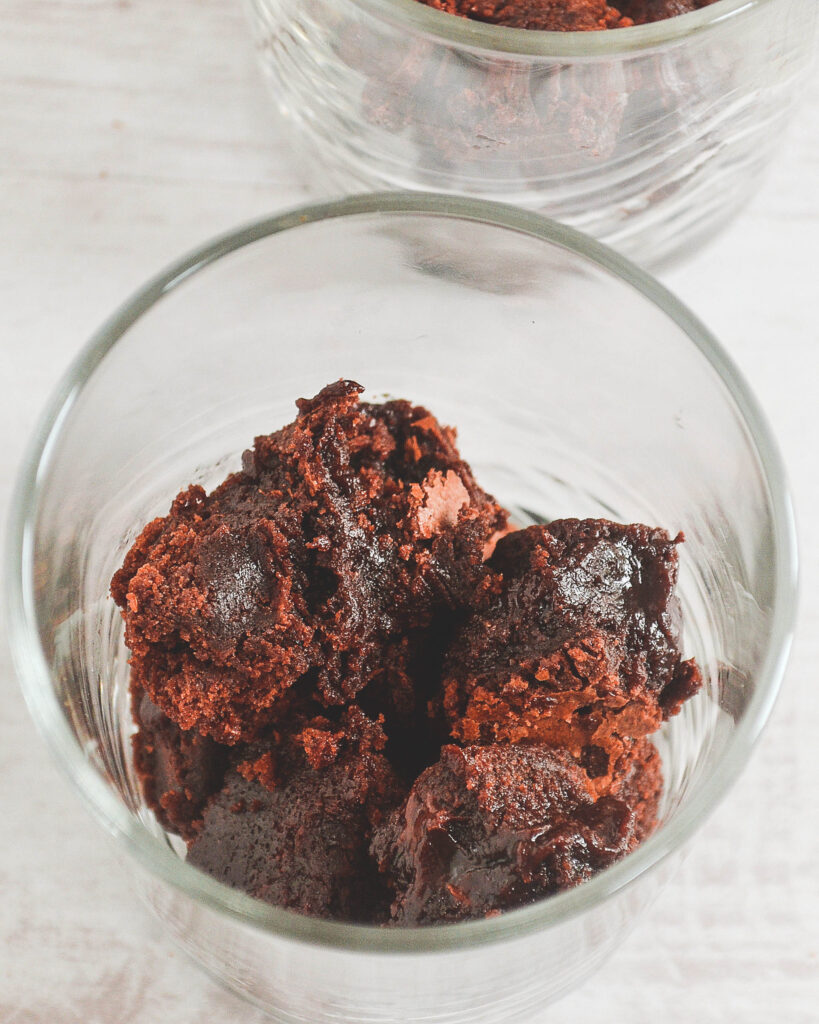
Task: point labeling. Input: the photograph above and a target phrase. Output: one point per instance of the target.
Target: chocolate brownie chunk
(344, 531)
(643, 11)
(579, 647)
(490, 828)
(295, 830)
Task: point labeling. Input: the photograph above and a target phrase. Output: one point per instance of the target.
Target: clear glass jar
(649, 138)
(579, 387)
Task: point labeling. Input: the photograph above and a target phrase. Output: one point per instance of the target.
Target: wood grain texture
(129, 131)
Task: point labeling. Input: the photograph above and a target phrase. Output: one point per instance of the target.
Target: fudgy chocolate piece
(295, 830)
(579, 646)
(644, 11)
(179, 770)
(343, 533)
(490, 828)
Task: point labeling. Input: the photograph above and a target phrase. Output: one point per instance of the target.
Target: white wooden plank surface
(128, 132)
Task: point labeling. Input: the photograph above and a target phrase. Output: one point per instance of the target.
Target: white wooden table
(129, 131)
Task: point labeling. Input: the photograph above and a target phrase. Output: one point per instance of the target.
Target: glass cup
(649, 138)
(579, 386)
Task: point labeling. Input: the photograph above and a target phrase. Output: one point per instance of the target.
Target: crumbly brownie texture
(292, 823)
(360, 696)
(344, 533)
(490, 828)
(567, 15)
(579, 646)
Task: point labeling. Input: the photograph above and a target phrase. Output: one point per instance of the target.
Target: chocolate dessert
(362, 695)
(567, 15)
(489, 828)
(469, 119)
(344, 534)
(578, 646)
(292, 822)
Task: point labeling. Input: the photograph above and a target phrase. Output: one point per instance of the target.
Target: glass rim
(154, 854)
(479, 35)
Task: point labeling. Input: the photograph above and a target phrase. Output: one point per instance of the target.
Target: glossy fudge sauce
(361, 694)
